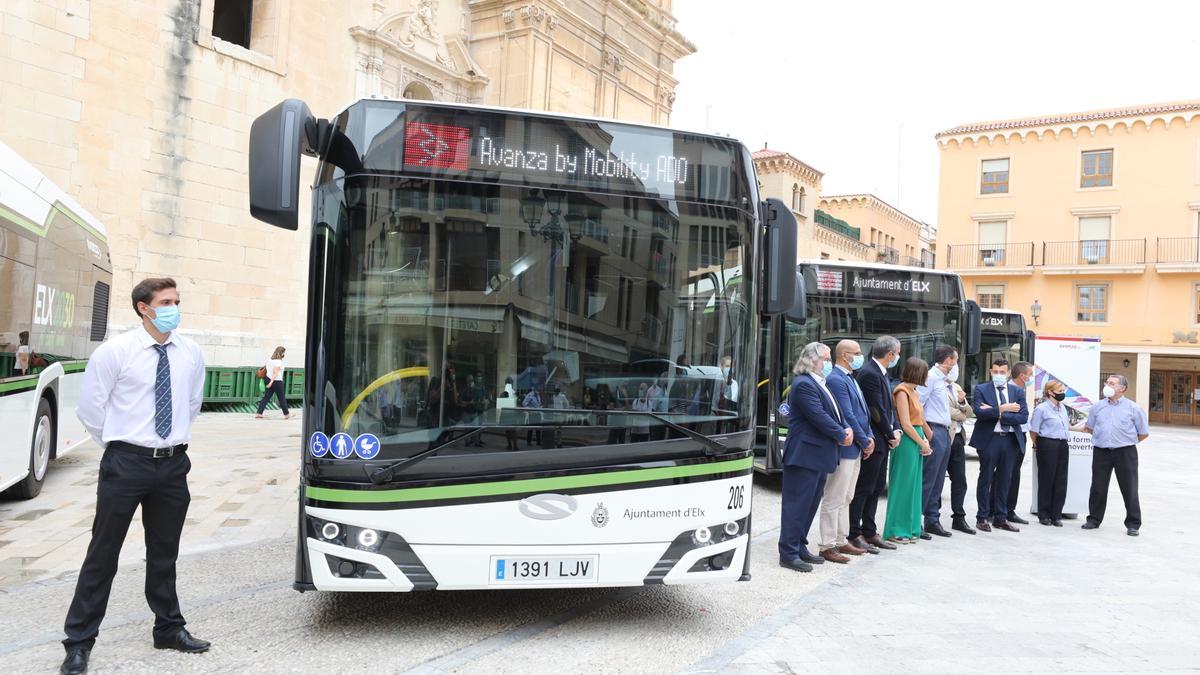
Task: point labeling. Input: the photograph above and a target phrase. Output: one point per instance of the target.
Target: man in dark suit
(873, 379)
(839, 487)
(1000, 411)
(816, 428)
(1022, 372)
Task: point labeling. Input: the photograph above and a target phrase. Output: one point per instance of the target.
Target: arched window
(797, 198)
(417, 91)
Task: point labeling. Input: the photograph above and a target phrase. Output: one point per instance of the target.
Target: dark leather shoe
(1131, 532)
(850, 549)
(1045, 521)
(796, 564)
(1089, 525)
(832, 555)
(1056, 522)
(877, 542)
(961, 525)
(183, 642)
(1014, 518)
(983, 526)
(76, 661)
(936, 528)
(926, 536)
(809, 558)
(1005, 525)
(859, 542)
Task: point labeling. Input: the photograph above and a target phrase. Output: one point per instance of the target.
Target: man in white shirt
(141, 393)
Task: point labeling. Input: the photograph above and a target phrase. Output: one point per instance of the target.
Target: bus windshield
(550, 319)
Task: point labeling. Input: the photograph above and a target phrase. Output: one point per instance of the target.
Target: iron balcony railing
(1094, 252)
(990, 255)
(887, 254)
(910, 261)
(1178, 250)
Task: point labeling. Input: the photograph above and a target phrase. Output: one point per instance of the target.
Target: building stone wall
(139, 112)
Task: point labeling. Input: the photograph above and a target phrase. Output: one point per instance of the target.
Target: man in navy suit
(1000, 411)
(873, 379)
(816, 427)
(839, 487)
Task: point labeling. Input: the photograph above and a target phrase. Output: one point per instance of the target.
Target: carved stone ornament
(612, 59)
(422, 24)
(530, 14)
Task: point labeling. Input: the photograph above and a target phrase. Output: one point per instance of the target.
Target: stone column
(1141, 386)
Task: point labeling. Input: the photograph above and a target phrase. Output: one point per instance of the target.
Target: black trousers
(126, 481)
(276, 388)
(1053, 456)
(872, 476)
(1014, 484)
(957, 471)
(1125, 462)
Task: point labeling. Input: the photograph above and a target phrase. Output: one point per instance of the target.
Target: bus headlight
(702, 536)
(330, 531)
(732, 528)
(368, 538)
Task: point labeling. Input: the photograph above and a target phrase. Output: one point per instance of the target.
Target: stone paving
(243, 482)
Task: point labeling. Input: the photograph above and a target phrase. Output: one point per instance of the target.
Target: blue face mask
(999, 380)
(857, 362)
(826, 369)
(894, 361)
(166, 318)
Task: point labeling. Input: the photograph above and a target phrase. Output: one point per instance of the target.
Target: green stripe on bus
(41, 230)
(18, 385)
(527, 485)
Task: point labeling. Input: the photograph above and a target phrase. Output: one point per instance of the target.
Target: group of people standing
(846, 418)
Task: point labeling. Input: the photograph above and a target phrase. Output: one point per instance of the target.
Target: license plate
(543, 570)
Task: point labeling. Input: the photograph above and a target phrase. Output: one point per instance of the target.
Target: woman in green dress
(903, 523)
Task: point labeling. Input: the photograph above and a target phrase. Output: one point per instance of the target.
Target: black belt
(155, 453)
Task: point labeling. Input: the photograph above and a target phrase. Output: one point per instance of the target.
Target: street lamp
(1036, 310)
(531, 210)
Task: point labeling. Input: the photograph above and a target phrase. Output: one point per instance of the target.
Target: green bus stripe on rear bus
(15, 386)
(525, 485)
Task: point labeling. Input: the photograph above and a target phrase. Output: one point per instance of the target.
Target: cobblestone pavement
(1044, 599)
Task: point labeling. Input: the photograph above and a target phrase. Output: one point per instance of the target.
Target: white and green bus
(55, 277)
(522, 332)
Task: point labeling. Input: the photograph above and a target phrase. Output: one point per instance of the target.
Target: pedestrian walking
(1048, 434)
(141, 393)
(1117, 425)
(903, 521)
(272, 375)
(956, 469)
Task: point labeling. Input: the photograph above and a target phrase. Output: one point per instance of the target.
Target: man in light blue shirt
(1116, 425)
(935, 399)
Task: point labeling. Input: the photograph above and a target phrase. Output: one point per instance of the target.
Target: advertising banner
(1074, 361)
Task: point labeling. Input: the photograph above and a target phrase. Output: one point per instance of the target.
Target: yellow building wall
(867, 212)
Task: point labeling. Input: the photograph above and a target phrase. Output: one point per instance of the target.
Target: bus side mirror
(779, 256)
(974, 319)
(1027, 349)
(277, 138)
(798, 312)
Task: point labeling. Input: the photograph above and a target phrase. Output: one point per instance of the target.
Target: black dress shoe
(983, 526)
(961, 525)
(1089, 525)
(1005, 525)
(76, 661)
(1131, 532)
(925, 535)
(936, 528)
(796, 564)
(1056, 522)
(1014, 518)
(1044, 521)
(184, 642)
(809, 558)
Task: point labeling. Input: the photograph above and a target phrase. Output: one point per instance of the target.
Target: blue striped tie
(162, 394)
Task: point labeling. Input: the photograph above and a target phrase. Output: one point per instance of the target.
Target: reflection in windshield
(542, 316)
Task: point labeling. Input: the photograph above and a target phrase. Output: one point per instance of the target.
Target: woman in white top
(273, 377)
(24, 354)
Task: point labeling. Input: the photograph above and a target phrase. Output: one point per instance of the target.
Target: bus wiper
(712, 446)
(385, 474)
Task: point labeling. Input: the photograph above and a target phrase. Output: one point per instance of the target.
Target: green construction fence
(240, 389)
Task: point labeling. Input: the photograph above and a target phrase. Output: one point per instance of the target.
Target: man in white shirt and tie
(1000, 411)
(141, 392)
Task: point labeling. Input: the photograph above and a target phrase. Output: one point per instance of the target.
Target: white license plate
(543, 570)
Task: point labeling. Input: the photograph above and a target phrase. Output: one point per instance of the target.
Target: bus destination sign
(884, 284)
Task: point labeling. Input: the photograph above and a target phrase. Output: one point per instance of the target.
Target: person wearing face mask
(1117, 425)
(1000, 411)
(1022, 372)
(141, 393)
(1048, 433)
(816, 428)
(873, 379)
(839, 487)
(935, 402)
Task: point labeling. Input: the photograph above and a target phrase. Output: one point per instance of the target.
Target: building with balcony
(1092, 219)
(893, 237)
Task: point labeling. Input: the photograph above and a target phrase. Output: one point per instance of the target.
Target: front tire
(41, 446)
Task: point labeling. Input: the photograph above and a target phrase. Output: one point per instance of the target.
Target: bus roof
(539, 113)
(27, 193)
(1003, 311)
(860, 265)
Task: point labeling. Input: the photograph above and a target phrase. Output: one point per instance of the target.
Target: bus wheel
(40, 447)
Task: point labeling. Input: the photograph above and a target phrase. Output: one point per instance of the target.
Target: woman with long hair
(903, 523)
(1052, 453)
(272, 374)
